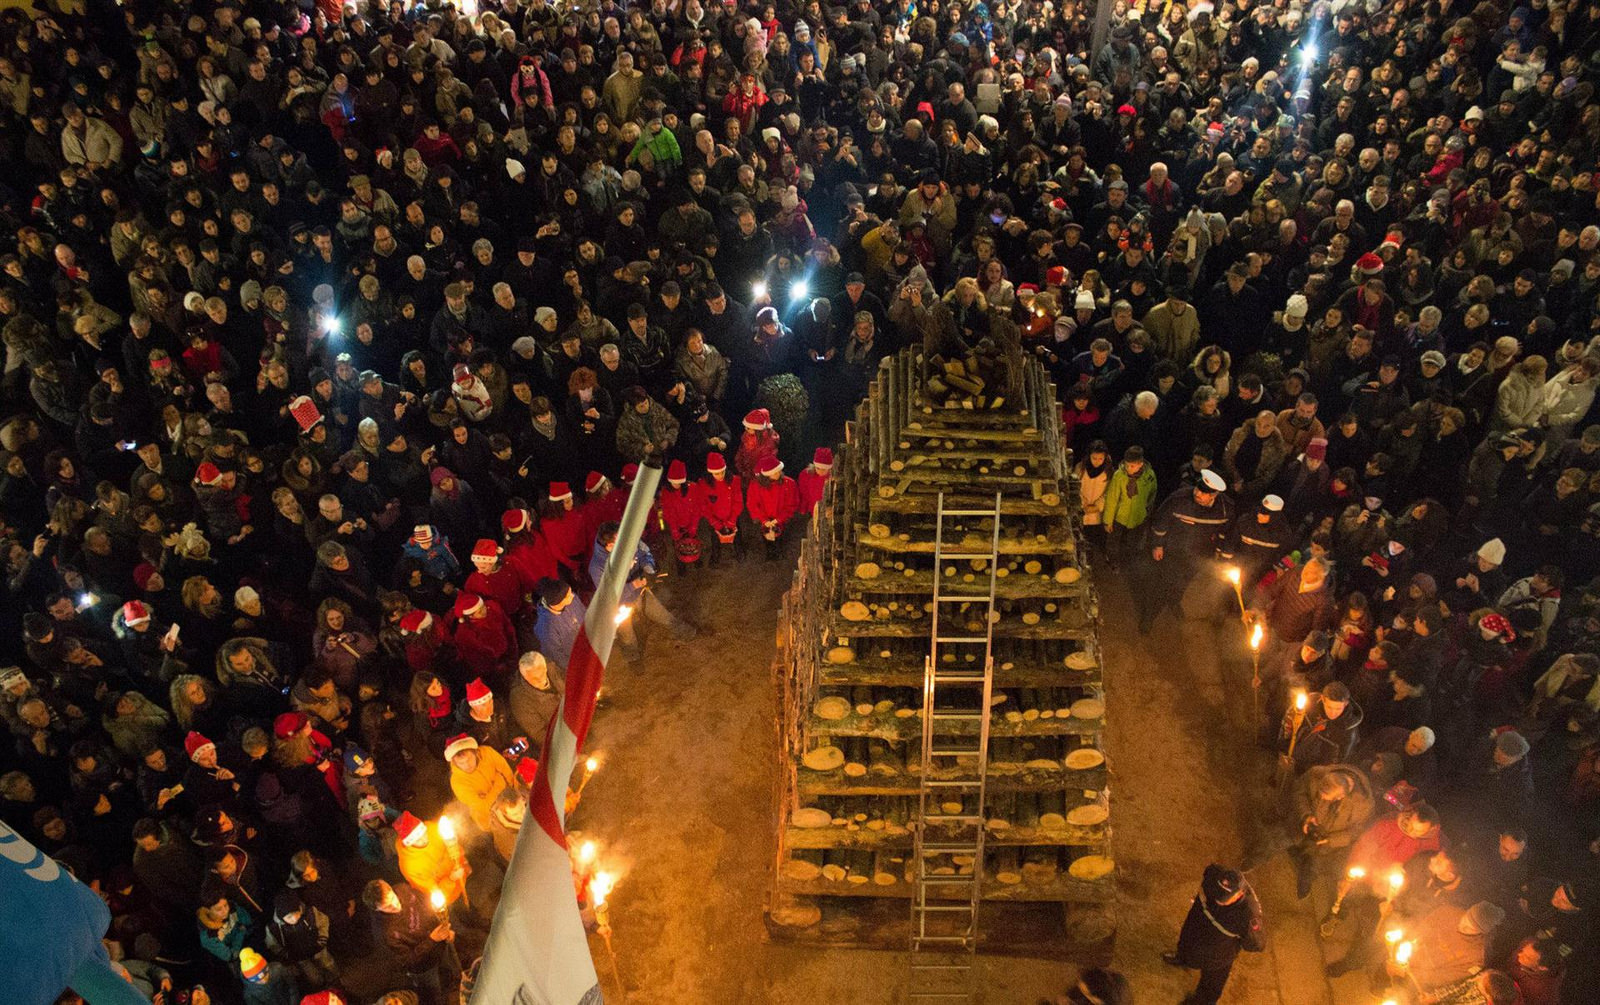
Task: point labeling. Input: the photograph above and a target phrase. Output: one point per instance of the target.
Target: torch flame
(1233, 574)
(591, 764)
(436, 898)
(586, 852)
(1255, 638)
(1397, 879)
(1300, 701)
(447, 828)
(624, 613)
(1402, 953)
(1393, 935)
(1356, 872)
(600, 887)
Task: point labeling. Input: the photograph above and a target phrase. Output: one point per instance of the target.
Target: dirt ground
(682, 810)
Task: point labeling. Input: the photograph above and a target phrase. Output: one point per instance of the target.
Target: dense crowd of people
(335, 335)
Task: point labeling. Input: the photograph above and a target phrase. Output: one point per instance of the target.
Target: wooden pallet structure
(849, 672)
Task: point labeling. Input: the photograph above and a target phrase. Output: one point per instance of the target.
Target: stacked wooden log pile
(855, 636)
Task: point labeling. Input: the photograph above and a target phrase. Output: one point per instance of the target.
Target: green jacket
(1126, 505)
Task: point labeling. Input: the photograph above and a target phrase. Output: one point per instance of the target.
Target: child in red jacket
(681, 509)
(758, 442)
(814, 478)
(722, 501)
(773, 499)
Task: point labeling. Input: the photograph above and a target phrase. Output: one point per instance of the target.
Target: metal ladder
(944, 909)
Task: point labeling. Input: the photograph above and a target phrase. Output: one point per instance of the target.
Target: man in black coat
(1224, 919)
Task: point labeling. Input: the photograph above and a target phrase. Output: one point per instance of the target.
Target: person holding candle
(1376, 859)
(421, 943)
(1449, 943)
(1324, 730)
(425, 861)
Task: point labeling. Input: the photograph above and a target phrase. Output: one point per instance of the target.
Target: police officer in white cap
(1258, 543)
(1188, 534)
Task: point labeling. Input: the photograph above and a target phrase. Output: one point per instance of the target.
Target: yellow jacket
(430, 867)
(478, 789)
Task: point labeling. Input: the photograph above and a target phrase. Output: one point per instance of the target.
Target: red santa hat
(716, 463)
(823, 458)
(758, 418)
(457, 744)
(194, 743)
(478, 692)
(1056, 275)
(134, 612)
(629, 473)
(416, 622)
(467, 604)
(305, 412)
(1369, 264)
(461, 373)
(515, 521)
(485, 552)
(207, 474)
(422, 533)
(560, 491)
(527, 770)
(408, 826)
(288, 724)
(595, 482)
(677, 472)
(1027, 288)
(771, 467)
(323, 998)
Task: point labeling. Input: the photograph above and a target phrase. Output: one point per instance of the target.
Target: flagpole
(537, 948)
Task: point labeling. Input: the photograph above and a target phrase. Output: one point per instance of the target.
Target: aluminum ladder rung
(956, 715)
(969, 512)
(950, 819)
(965, 640)
(951, 783)
(945, 908)
(962, 556)
(944, 848)
(976, 678)
(963, 598)
(950, 880)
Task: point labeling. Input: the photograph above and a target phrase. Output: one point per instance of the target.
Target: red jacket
(754, 447)
(602, 509)
(503, 586)
(778, 500)
(567, 537)
(811, 485)
(486, 646)
(681, 510)
(721, 502)
(422, 651)
(529, 556)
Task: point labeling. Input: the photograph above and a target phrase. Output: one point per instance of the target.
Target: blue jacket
(644, 564)
(437, 561)
(557, 632)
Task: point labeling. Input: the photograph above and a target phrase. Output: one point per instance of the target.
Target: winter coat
(638, 436)
(1565, 404)
(1338, 824)
(811, 482)
(644, 564)
(1519, 404)
(754, 447)
(430, 867)
(1274, 451)
(1092, 495)
(681, 510)
(503, 586)
(722, 502)
(773, 502)
(557, 631)
(478, 789)
(486, 646)
(133, 734)
(1213, 934)
(1128, 497)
